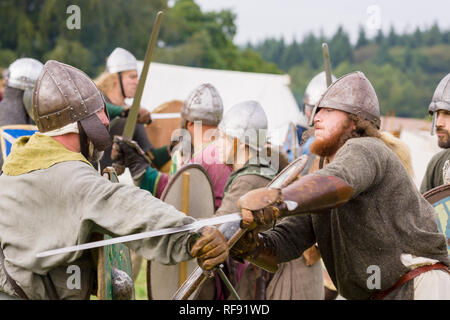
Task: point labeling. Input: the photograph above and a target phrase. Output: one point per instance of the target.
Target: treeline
(188, 36)
(404, 68)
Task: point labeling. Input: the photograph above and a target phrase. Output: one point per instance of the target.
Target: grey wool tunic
(385, 217)
(63, 206)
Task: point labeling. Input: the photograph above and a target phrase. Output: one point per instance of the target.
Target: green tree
(362, 40)
(340, 47)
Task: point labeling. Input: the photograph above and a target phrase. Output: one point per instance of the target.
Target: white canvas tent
(170, 82)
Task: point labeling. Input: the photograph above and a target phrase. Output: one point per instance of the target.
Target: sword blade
(144, 235)
(130, 124)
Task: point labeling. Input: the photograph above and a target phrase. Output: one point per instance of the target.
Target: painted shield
(9, 133)
(291, 143)
(114, 272)
(439, 198)
(191, 191)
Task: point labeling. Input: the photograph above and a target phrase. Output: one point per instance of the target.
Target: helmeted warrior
(15, 108)
(118, 83)
(439, 108)
(242, 144)
(203, 108)
(68, 201)
(314, 91)
(362, 208)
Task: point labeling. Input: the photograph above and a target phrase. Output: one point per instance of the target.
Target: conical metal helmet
(121, 60)
(23, 73)
(441, 96)
(352, 93)
(63, 95)
(203, 104)
(315, 89)
(440, 100)
(247, 122)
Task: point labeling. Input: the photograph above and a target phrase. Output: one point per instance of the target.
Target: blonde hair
(105, 81)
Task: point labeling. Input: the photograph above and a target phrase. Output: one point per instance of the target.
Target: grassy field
(140, 285)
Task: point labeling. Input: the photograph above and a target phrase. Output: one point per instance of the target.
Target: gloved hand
(128, 153)
(260, 207)
(144, 116)
(209, 246)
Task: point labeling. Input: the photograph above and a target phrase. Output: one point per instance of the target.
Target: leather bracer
(314, 193)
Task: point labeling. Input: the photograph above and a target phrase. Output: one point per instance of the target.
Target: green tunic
(434, 174)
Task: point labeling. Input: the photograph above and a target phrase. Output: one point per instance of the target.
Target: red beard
(328, 147)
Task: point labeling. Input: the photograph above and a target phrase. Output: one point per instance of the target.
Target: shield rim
(163, 196)
(438, 193)
(435, 195)
(180, 172)
(289, 179)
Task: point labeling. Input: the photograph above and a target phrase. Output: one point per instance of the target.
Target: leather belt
(409, 276)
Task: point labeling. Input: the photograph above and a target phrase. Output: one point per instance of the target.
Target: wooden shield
(191, 191)
(9, 133)
(116, 256)
(160, 131)
(439, 198)
(290, 173)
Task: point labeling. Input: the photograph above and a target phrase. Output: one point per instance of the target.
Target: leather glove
(261, 207)
(144, 116)
(209, 246)
(128, 153)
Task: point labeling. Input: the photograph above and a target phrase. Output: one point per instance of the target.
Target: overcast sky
(259, 19)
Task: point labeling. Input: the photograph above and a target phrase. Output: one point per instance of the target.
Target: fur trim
(399, 148)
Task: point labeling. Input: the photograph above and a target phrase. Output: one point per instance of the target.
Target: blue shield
(10, 133)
